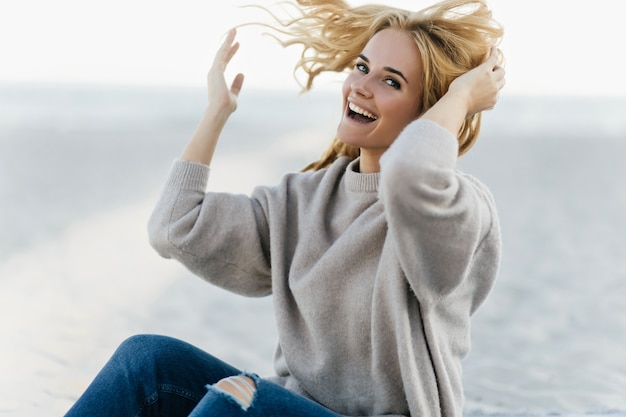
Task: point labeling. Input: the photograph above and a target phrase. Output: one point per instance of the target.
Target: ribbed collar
(360, 183)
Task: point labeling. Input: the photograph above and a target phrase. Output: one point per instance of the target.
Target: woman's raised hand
(472, 92)
(222, 103)
(221, 96)
(481, 85)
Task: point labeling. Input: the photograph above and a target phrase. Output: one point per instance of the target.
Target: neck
(369, 161)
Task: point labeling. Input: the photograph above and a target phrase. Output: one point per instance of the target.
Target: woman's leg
(268, 399)
(149, 376)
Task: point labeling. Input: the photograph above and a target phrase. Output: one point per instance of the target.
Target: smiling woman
(376, 259)
(378, 99)
(438, 49)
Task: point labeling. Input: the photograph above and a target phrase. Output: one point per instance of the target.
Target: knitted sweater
(374, 277)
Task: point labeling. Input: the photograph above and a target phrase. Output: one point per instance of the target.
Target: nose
(360, 86)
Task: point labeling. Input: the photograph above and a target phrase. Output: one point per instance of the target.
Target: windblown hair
(453, 36)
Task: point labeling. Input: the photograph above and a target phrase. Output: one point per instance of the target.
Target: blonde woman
(376, 256)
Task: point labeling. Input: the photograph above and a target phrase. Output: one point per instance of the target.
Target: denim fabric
(151, 375)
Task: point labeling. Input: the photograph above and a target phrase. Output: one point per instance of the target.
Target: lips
(359, 114)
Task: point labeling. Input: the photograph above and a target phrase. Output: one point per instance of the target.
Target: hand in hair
(470, 93)
(480, 86)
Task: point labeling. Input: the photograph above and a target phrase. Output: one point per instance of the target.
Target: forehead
(396, 49)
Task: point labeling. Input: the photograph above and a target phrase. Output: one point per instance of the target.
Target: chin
(345, 135)
(349, 140)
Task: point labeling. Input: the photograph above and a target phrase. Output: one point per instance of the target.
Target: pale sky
(551, 46)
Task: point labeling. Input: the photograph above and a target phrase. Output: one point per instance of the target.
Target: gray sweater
(374, 277)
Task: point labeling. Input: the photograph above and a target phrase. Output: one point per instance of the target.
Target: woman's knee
(145, 350)
(172, 360)
(241, 388)
(142, 343)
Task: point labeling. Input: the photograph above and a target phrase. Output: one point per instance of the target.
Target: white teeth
(361, 111)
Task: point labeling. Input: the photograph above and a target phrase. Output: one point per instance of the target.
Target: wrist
(216, 114)
(458, 100)
(449, 112)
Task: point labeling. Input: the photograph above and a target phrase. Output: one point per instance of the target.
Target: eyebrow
(390, 69)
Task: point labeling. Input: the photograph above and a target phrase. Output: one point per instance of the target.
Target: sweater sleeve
(220, 237)
(442, 222)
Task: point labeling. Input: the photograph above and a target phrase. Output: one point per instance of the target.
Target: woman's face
(382, 94)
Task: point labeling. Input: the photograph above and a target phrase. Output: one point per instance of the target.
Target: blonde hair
(453, 36)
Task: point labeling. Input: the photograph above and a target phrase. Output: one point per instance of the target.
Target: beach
(82, 166)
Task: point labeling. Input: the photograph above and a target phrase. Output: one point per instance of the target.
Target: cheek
(405, 112)
(346, 88)
(398, 112)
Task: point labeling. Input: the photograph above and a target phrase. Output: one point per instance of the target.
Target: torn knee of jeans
(241, 388)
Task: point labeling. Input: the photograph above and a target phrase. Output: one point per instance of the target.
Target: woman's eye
(393, 83)
(361, 67)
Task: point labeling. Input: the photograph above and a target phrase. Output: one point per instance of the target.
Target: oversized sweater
(374, 276)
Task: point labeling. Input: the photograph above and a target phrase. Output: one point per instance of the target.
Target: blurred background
(96, 100)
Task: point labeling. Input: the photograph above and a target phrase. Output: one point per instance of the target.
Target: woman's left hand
(475, 91)
(481, 86)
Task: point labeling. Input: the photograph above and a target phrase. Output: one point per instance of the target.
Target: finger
(501, 83)
(226, 51)
(493, 59)
(235, 87)
(231, 52)
(230, 37)
(227, 44)
(498, 73)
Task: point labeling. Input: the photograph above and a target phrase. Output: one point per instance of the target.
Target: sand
(77, 275)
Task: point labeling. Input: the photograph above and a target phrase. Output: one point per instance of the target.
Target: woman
(375, 259)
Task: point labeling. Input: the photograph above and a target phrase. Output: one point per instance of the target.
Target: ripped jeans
(160, 376)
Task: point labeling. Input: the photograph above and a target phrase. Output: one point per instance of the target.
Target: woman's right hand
(221, 97)
(222, 103)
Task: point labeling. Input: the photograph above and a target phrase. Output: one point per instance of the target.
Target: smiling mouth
(360, 115)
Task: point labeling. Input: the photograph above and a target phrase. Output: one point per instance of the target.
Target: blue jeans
(160, 376)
